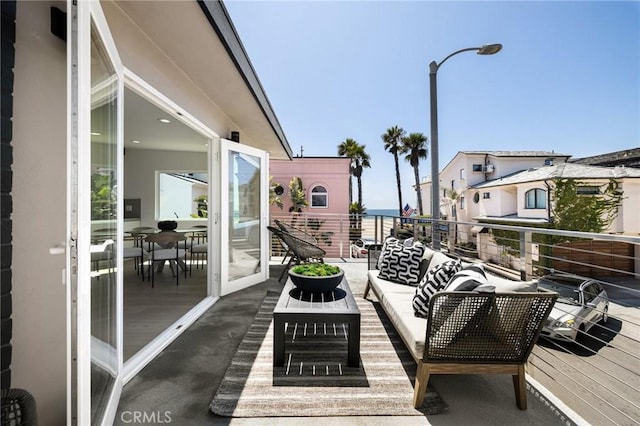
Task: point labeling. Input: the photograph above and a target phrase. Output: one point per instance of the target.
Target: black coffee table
(338, 307)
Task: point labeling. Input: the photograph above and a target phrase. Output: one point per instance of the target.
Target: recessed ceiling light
(135, 141)
(164, 120)
(96, 133)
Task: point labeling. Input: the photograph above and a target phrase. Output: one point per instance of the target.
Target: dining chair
(198, 247)
(164, 246)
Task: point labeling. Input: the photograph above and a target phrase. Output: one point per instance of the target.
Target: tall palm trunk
(416, 174)
(395, 158)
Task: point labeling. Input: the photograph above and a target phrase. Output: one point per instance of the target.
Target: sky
(567, 79)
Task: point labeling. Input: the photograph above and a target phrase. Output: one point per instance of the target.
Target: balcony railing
(597, 374)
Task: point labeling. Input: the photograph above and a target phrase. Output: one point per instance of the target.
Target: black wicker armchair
(296, 232)
(302, 251)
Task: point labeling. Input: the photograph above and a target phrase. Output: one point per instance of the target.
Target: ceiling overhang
(200, 39)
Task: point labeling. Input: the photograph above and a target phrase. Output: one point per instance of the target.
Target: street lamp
(488, 49)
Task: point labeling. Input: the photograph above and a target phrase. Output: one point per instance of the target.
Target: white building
(515, 186)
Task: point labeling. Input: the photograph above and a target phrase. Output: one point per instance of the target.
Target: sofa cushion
(413, 330)
(438, 258)
(400, 263)
(503, 285)
(434, 280)
(383, 287)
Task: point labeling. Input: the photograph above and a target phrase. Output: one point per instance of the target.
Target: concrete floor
(179, 384)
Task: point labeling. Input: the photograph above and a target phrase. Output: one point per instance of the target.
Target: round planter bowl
(316, 284)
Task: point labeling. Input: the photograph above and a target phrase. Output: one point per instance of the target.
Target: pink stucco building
(325, 180)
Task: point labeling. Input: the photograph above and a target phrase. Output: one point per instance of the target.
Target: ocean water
(382, 212)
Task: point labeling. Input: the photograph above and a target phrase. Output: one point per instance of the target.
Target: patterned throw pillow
(468, 278)
(434, 280)
(401, 264)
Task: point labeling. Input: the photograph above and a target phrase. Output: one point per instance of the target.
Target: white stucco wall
(39, 211)
(140, 168)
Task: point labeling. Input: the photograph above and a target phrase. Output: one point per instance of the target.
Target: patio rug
(316, 380)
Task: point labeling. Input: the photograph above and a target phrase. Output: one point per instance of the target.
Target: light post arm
(488, 49)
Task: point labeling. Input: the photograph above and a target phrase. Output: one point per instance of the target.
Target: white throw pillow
(401, 264)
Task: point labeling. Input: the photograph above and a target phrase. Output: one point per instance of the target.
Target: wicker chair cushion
(401, 264)
(434, 280)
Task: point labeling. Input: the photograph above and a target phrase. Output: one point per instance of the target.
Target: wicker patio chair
(482, 334)
(296, 232)
(301, 251)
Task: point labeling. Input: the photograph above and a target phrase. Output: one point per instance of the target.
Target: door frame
(80, 17)
(227, 286)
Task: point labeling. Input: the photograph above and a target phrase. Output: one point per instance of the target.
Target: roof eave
(220, 21)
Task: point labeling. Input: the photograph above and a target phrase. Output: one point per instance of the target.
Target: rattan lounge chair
(475, 333)
(301, 251)
(296, 232)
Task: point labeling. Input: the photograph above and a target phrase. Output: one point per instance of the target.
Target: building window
(486, 195)
(477, 168)
(461, 174)
(461, 202)
(535, 199)
(476, 197)
(453, 182)
(548, 162)
(588, 190)
(319, 197)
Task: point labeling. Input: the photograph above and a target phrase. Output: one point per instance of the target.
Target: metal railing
(597, 374)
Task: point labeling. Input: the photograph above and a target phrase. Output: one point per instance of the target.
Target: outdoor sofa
(455, 317)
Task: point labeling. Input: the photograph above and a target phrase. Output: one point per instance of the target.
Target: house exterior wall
(531, 213)
(39, 211)
(628, 220)
(458, 175)
(330, 172)
(504, 166)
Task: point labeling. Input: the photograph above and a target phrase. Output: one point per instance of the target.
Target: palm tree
(348, 149)
(359, 160)
(414, 146)
(392, 143)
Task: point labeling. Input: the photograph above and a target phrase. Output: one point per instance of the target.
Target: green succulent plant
(316, 270)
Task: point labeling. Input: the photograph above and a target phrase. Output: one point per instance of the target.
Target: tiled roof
(627, 158)
(562, 171)
(517, 153)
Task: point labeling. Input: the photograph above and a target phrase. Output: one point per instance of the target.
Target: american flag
(407, 211)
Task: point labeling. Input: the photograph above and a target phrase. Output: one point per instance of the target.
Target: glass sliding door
(104, 227)
(95, 217)
(244, 209)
